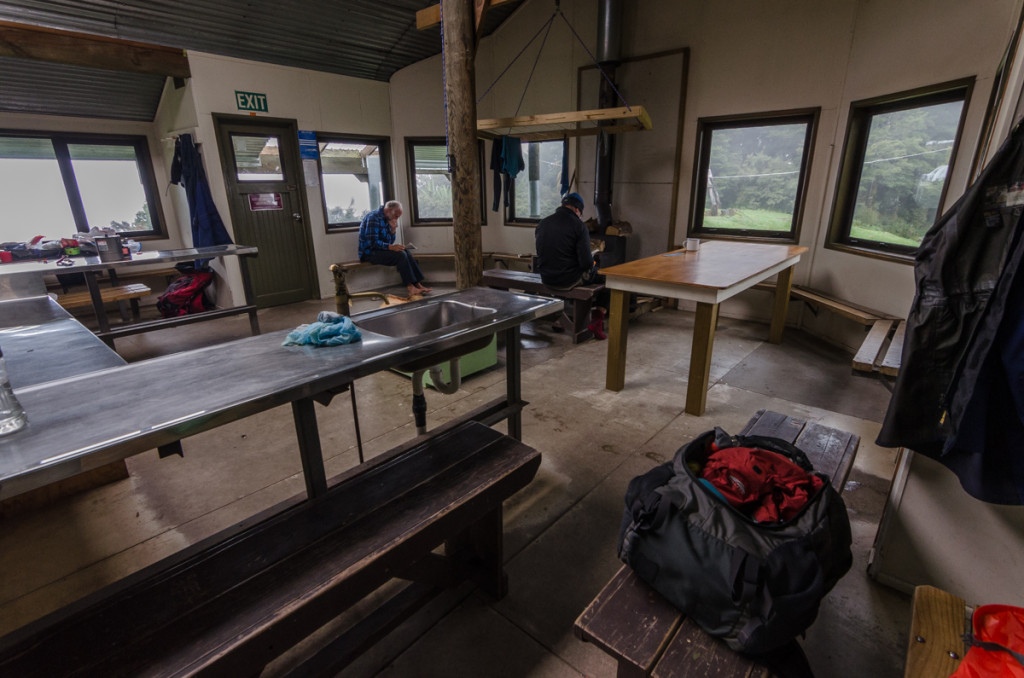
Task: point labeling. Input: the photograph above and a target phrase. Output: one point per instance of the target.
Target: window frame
(387, 178)
(143, 160)
(858, 126)
(410, 165)
(702, 160)
(510, 211)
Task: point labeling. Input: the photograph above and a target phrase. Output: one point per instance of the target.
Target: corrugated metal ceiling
(362, 38)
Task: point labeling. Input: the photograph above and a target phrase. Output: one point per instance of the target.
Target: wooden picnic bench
(130, 293)
(938, 623)
(581, 296)
(232, 603)
(647, 635)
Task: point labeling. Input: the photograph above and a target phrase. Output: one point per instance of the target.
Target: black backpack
(756, 586)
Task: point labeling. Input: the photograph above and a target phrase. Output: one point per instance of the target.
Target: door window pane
(257, 158)
(352, 181)
(906, 161)
(32, 197)
(537, 188)
(111, 187)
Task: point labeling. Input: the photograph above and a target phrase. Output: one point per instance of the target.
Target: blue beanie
(573, 200)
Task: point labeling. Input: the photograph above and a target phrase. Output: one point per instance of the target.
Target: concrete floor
(560, 531)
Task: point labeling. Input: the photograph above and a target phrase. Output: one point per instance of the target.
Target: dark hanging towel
(959, 396)
(187, 170)
(507, 162)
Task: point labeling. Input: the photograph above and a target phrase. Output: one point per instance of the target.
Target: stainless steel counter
(80, 422)
(83, 264)
(25, 278)
(42, 342)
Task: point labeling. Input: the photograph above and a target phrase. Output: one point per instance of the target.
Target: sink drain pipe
(419, 401)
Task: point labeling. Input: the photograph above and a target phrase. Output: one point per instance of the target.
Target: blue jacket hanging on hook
(187, 170)
(507, 162)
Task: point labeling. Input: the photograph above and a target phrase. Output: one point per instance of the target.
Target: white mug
(692, 244)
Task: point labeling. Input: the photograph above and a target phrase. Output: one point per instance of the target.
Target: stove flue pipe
(609, 52)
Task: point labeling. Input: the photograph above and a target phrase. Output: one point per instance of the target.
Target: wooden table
(719, 270)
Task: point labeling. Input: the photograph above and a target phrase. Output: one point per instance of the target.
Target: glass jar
(12, 416)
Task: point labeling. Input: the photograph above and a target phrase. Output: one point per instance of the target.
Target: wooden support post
(459, 32)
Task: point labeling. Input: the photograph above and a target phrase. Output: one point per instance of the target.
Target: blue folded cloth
(330, 329)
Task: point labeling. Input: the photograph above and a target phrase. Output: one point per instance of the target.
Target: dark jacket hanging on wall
(187, 170)
(959, 396)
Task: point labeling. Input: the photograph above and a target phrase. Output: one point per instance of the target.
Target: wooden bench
(130, 293)
(647, 635)
(936, 643)
(232, 603)
(882, 350)
(582, 297)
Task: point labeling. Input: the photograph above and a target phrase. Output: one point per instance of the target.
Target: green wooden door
(263, 178)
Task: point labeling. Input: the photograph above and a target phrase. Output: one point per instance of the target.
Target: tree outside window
(750, 174)
(536, 191)
(430, 182)
(895, 168)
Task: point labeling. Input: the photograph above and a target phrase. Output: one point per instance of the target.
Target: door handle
(297, 217)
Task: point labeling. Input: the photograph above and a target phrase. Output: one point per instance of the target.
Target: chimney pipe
(609, 51)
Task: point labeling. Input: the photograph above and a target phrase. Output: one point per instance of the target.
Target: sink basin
(417, 320)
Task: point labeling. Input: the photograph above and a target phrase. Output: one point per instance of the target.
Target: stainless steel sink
(417, 320)
(414, 321)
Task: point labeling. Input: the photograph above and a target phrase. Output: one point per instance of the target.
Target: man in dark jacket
(564, 258)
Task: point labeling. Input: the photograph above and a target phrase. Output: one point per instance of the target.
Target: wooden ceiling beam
(431, 16)
(81, 49)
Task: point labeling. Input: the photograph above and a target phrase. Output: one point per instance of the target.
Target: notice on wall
(307, 145)
(311, 171)
(261, 202)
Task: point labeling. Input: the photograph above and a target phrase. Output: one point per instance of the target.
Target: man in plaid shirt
(377, 245)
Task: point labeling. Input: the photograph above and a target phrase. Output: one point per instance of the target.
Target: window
(895, 169)
(55, 185)
(751, 173)
(430, 182)
(536, 191)
(355, 178)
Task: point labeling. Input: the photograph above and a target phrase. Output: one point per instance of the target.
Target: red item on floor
(997, 645)
(764, 485)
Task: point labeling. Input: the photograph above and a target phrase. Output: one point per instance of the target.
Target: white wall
(321, 102)
(748, 56)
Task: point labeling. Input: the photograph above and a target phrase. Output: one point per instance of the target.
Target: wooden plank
(431, 16)
(548, 135)
(870, 351)
(864, 316)
(479, 9)
(774, 425)
(894, 356)
(108, 294)
(80, 49)
(630, 621)
(935, 646)
(594, 115)
(830, 450)
(692, 648)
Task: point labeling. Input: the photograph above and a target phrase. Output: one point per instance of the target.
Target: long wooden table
(719, 270)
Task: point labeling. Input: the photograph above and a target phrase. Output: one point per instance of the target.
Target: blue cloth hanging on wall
(187, 170)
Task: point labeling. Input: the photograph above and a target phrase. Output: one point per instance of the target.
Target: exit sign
(251, 101)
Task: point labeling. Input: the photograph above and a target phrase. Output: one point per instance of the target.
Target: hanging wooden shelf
(625, 119)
